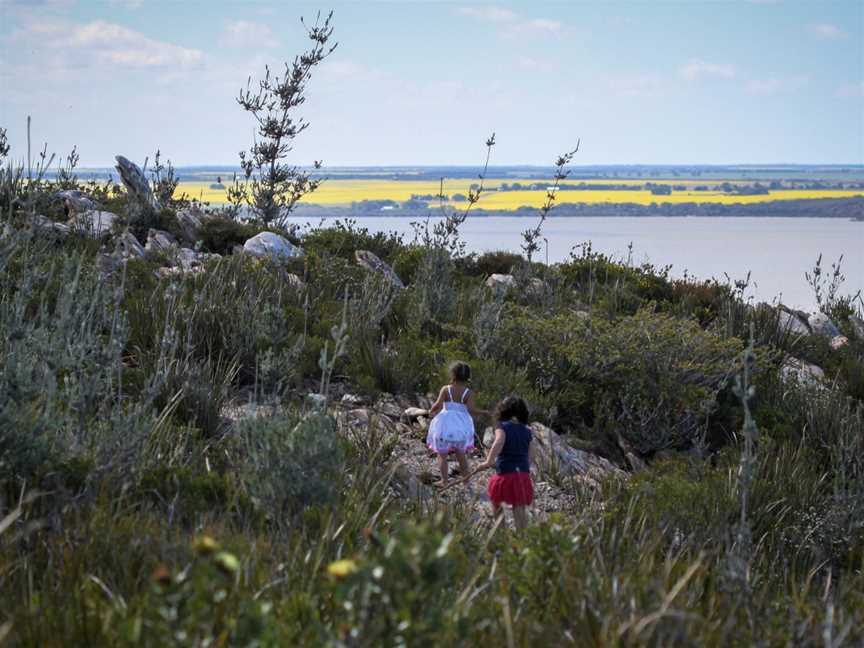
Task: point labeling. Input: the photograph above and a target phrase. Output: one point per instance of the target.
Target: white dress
(453, 428)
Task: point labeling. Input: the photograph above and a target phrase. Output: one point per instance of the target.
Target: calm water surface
(776, 251)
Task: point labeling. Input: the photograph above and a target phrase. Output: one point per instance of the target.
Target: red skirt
(514, 488)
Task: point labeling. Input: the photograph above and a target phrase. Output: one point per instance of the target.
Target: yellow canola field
(344, 192)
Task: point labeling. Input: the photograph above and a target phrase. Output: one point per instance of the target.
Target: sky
(425, 83)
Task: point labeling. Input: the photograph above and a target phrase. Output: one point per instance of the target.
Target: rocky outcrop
(821, 324)
(372, 263)
(141, 200)
(160, 242)
(802, 372)
(129, 246)
(273, 246)
(552, 456)
(839, 341)
(790, 322)
(189, 221)
(504, 282)
(501, 282)
(94, 223)
(857, 325)
(75, 201)
(45, 224)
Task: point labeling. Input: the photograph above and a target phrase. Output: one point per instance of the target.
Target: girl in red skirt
(511, 483)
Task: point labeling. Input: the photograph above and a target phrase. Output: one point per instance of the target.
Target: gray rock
(273, 246)
(353, 400)
(805, 373)
(504, 282)
(791, 323)
(500, 281)
(140, 195)
(45, 224)
(551, 455)
(94, 222)
(76, 201)
(129, 246)
(372, 263)
(822, 325)
(187, 259)
(387, 406)
(190, 223)
(411, 414)
(857, 326)
(160, 242)
(839, 342)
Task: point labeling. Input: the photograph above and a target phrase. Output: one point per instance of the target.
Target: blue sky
(648, 82)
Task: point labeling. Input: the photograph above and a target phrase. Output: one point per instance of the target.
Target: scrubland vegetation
(177, 466)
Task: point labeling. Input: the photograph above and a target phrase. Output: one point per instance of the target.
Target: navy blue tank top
(514, 454)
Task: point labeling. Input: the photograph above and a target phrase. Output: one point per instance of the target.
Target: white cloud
(243, 33)
(855, 89)
(827, 31)
(697, 69)
(773, 86)
(64, 44)
(510, 24)
(642, 85)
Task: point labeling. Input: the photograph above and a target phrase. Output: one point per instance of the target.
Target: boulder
(504, 282)
(411, 414)
(129, 246)
(188, 259)
(273, 246)
(857, 325)
(387, 406)
(372, 263)
(45, 224)
(94, 222)
(140, 196)
(821, 324)
(76, 201)
(802, 372)
(551, 455)
(353, 400)
(160, 242)
(791, 323)
(500, 281)
(190, 223)
(839, 341)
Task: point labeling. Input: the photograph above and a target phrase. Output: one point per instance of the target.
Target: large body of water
(776, 251)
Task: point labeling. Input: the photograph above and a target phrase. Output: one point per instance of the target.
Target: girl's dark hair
(512, 407)
(460, 371)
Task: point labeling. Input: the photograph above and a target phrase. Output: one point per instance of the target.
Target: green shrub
(345, 237)
(219, 235)
(287, 463)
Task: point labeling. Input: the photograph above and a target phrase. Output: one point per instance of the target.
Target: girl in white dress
(452, 428)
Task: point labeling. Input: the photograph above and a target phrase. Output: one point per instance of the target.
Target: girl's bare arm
(438, 404)
(494, 451)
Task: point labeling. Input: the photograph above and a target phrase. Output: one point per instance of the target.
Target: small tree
(532, 236)
(272, 187)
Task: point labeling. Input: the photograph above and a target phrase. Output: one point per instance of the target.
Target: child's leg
(497, 510)
(463, 463)
(520, 517)
(442, 467)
